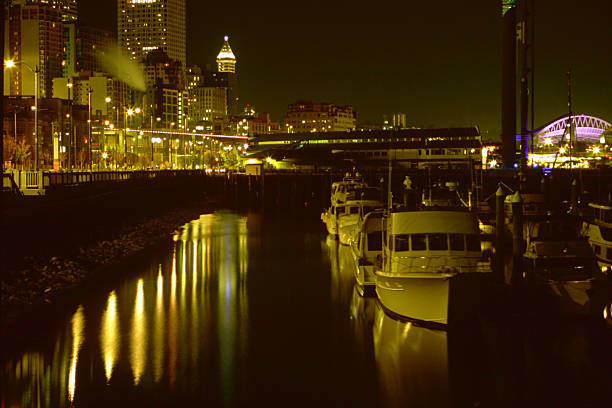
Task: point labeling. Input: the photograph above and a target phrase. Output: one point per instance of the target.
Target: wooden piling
(517, 241)
(499, 234)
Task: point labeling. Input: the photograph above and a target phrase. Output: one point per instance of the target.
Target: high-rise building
(306, 116)
(226, 60)
(147, 25)
(34, 41)
(68, 9)
(225, 77)
(165, 97)
(84, 48)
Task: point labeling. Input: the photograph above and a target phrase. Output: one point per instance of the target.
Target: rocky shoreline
(40, 280)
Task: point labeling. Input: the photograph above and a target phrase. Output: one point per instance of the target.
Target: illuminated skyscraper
(147, 25)
(225, 77)
(226, 60)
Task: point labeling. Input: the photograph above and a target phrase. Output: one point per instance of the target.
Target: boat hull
(437, 298)
(365, 278)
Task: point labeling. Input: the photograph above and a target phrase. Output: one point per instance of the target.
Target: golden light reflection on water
(412, 363)
(158, 337)
(138, 338)
(194, 309)
(172, 325)
(78, 325)
(232, 304)
(187, 315)
(110, 339)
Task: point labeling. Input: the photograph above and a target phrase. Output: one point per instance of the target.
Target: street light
(10, 64)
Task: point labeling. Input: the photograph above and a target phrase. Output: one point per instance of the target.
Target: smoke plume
(119, 65)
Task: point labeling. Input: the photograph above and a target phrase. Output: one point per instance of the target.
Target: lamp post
(170, 144)
(35, 70)
(89, 126)
(69, 86)
(126, 112)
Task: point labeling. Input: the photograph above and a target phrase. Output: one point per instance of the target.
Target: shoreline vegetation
(41, 279)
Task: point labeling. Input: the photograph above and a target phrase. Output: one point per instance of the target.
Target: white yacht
(366, 248)
(355, 213)
(347, 189)
(432, 268)
(341, 219)
(598, 229)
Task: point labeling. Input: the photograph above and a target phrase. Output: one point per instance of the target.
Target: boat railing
(438, 264)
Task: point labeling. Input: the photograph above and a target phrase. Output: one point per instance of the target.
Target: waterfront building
(307, 116)
(84, 47)
(102, 86)
(33, 40)
(397, 121)
(207, 103)
(148, 25)
(254, 124)
(165, 97)
(261, 124)
(420, 148)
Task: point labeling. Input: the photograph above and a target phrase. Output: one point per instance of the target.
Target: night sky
(436, 61)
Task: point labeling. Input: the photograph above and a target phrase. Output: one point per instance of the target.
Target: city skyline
(439, 64)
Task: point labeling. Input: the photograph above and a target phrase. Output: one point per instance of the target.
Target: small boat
(366, 248)
(356, 210)
(561, 272)
(341, 218)
(598, 229)
(348, 189)
(432, 268)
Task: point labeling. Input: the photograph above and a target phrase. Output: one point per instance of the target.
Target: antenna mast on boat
(569, 107)
(389, 193)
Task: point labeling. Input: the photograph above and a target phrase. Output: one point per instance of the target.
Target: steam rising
(117, 64)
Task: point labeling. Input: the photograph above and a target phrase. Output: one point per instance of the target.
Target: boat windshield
(435, 242)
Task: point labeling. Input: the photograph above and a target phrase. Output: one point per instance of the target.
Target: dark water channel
(245, 310)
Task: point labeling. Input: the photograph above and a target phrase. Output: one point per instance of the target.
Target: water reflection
(110, 340)
(412, 363)
(138, 337)
(78, 325)
(185, 319)
(159, 324)
(182, 330)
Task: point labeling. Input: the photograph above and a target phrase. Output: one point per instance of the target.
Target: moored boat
(366, 248)
(561, 272)
(432, 268)
(347, 189)
(598, 229)
(341, 219)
